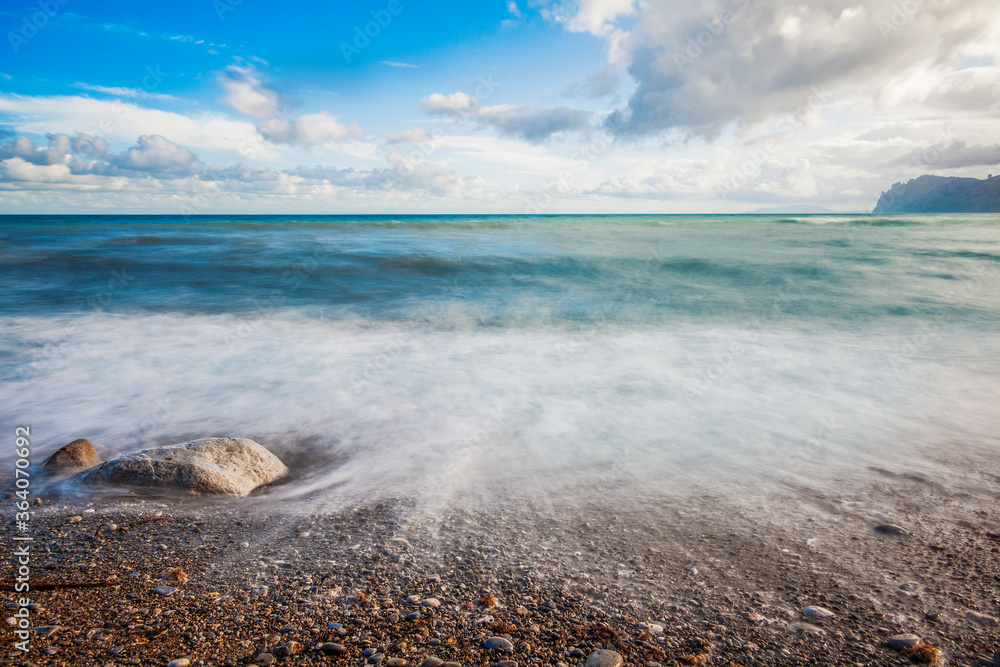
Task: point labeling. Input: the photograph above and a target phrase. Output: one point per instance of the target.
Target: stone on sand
(77, 455)
(234, 466)
(899, 642)
(604, 658)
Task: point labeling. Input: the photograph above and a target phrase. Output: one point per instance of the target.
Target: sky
(499, 106)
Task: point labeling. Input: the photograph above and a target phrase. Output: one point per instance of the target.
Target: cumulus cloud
(249, 95)
(27, 151)
(701, 66)
(19, 169)
(157, 155)
(526, 122)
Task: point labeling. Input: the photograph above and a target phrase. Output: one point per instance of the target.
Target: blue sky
(507, 106)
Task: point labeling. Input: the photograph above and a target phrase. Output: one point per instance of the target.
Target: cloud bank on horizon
(510, 107)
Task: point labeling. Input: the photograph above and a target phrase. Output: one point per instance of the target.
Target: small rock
(693, 571)
(264, 659)
(981, 619)
(165, 590)
(333, 648)
(287, 649)
(432, 661)
(890, 529)
(395, 662)
(430, 602)
(376, 659)
(507, 663)
(77, 455)
(899, 642)
(604, 658)
(75, 519)
(818, 612)
(452, 664)
(499, 644)
(400, 542)
(48, 630)
(179, 662)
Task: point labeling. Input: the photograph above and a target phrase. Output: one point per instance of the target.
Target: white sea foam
(363, 408)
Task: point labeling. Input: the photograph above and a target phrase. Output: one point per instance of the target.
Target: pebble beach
(700, 580)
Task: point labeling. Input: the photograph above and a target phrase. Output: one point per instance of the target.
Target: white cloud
(19, 169)
(596, 16)
(394, 63)
(527, 122)
(124, 121)
(702, 66)
(318, 128)
(247, 94)
(116, 91)
(157, 155)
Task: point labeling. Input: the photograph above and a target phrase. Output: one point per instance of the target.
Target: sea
(459, 359)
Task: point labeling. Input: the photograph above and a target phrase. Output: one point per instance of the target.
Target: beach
(663, 436)
(715, 582)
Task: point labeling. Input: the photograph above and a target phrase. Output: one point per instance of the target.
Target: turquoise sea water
(388, 354)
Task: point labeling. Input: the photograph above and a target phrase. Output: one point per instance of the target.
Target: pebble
(431, 661)
(430, 602)
(604, 658)
(48, 630)
(289, 648)
(819, 612)
(499, 644)
(333, 648)
(395, 662)
(376, 659)
(652, 628)
(507, 663)
(264, 659)
(75, 519)
(452, 664)
(179, 662)
(981, 619)
(899, 642)
(165, 590)
(890, 529)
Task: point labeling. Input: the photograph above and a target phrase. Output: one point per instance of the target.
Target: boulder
(234, 466)
(77, 455)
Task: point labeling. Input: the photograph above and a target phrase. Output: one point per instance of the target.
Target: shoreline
(727, 579)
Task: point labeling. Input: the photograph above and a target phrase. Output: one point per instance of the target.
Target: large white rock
(234, 466)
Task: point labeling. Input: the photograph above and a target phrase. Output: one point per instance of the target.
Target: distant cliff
(942, 194)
